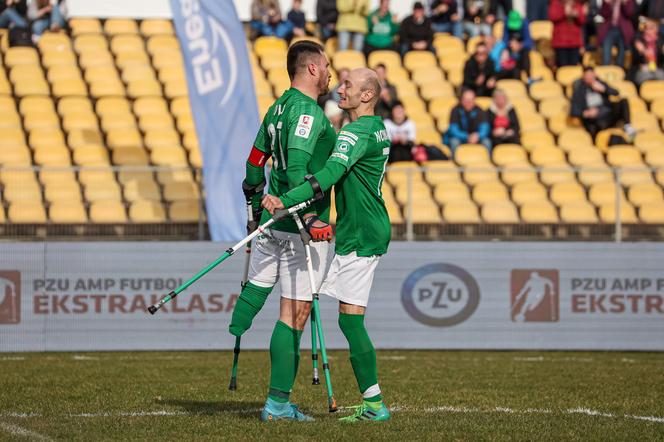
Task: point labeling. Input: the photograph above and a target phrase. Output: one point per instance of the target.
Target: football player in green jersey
(356, 169)
(299, 138)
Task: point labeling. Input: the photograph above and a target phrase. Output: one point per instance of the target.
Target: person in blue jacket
(468, 124)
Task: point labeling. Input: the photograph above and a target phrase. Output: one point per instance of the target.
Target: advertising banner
(223, 104)
(426, 295)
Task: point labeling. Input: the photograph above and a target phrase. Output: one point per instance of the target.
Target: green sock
(248, 305)
(285, 359)
(362, 356)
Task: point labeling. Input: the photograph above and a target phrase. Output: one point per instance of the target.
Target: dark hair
(418, 5)
(397, 103)
(588, 68)
(299, 54)
(380, 65)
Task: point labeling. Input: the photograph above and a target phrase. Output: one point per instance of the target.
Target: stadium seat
(22, 191)
(541, 30)
(655, 158)
(543, 155)
(567, 192)
(462, 212)
(585, 155)
(184, 211)
(468, 154)
(551, 107)
(480, 172)
(52, 156)
(150, 105)
(556, 173)
(57, 175)
(102, 89)
(593, 173)
(418, 59)
(74, 105)
(80, 121)
(102, 191)
(439, 172)
(489, 191)
(500, 212)
(390, 59)
(451, 191)
(264, 45)
(581, 212)
(348, 59)
(118, 26)
(645, 193)
(129, 156)
(520, 172)
(179, 191)
(566, 75)
(105, 212)
(141, 189)
(41, 120)
(652, 213)
(546, 90)
(508, 153)
(69, 212)
(21, 55)
(513, 88)
(635, 173)
(95, 174)
(80, 26)
(573, 138)
(646, 140)
(152, 27)
(605, 193)
(180, 175)
(435, 89)
(147, 212)
(623, 156)
(652, 90)
(155, 139)
(62, 191)
(539, 212)
(27, 212)
(528, 192)
(530, 140)
(607, 213)
(610, 74)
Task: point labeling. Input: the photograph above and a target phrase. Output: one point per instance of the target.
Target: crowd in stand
(29, 19)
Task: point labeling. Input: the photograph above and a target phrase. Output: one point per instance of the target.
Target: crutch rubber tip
(233, 385)
(152, 309)
(315, 381)
(333, 405)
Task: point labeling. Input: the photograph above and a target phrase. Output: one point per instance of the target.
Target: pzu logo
(440, 295)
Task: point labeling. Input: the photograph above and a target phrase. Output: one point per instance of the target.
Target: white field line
(392, 358)
(12, 358)
(396, 409)
(15, 430)
(84, 358)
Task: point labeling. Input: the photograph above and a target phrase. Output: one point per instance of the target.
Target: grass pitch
(442, 395)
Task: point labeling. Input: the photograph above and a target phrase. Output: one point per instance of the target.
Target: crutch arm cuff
(315, 186)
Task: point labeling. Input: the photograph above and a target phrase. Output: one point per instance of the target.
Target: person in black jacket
(648, 54)
(327, 14)
(503, 120)
(446, 17)
(416, 32)
(654, 10)
(479, 74)
(591, 103)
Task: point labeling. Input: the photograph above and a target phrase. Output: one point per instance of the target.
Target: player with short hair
(356, 169)
(299, 138)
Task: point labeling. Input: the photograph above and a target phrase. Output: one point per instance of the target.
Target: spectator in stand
(503, 120)
(352, 23)
(480, 15)
(402, 132)
(654, 10)
(537, 10)
(388, 93)
(648, 54)
(14, 14)
(479, 74)
(468, 124)
(382, 27)
(617, 30)
(326, 13)
(591, 103)
(445, 17)
(568, 17)
(266, 19)
(416, 33)
(514, 60)
(297, 19)
(519, 26)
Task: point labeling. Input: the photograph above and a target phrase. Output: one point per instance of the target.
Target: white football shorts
(350, 278)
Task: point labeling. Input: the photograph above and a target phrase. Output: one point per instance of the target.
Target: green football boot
(367, 411)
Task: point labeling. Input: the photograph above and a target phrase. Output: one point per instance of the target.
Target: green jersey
(295, 122)
(363, 225)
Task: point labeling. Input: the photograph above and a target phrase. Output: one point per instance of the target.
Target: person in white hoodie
(402, 133)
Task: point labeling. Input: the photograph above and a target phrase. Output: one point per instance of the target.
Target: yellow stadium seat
(141, 189)
(447, 44)
(530, 140)
(118, 138)
(436, 89)
(144, 88)
(118, 121)
(195, 158)
(21, 55)
(155, 121)
(652, 90)
(163, 44)
(53, 41)
(541, 30)
(585, 155)
(451, 191)
(566, 75)
(184, 211)
(180, 175)
(127, 59)
(77, 138)
(275, 60)
(468, 154)
(439, 172)
(101, 74)
(573, 138)
(519, 172)
(556, 173)
(513, 88)
(424, 212)
(581, 212)
(532, 122)
(396, 74)
(390, 59)
(74, 105)
(169, 156)
(348, 59)
(52, 156)
(62, 191)
(539, 212)
(97, 59)
(164, 60)
(528, 192)
(508, 153)
(567, 192)
(418, 59)
(645, 193)
(20, 191)
(155, 139)
(442, 106)
(149, 106)
(428, 74)
(605, 193)
(52, 59)
(659, 176)
(419, 188)
(657, 107)
(107, 212)
(610, 74)
(177, 88)
(67, 212)
(150, 27)
(554, 107)
(102, 191)
(147, 212)
(41, 120)
(623, 155)
(56, 175)
(130, 156)
(90, 43)
(593, 173)
(268, 44)
(480, 172)
(178, 191)
(655, 158)
(652, 213)
(489, 191)
(80, 121)
(31, 86)
(500, 212)
(42, 137)
(116, 26)
(607, 213)
(101, 89)
(138, 72)
(635, 173)
(17, 156)
(27, 212)
(544, 155)
(546, 89)
(11, 138)
(91, 155)
(646, 140)
(95, 174)
(461, 212)
(642, 121)
(80, 26)
(18, 177)
(36, 104)
(113, 105)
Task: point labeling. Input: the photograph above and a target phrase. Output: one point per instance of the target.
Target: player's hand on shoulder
(318, 229)
(272, 203)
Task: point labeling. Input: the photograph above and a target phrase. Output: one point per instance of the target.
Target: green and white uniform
(299, 138)
(356, 168)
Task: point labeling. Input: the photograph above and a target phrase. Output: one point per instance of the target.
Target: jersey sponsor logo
(343, 147)
(304, 126)
(381, 135)
(348, 134)
(340, 156)
(349, 140)
(386, 151)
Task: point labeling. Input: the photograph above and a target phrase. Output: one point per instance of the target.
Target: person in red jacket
(568, 17)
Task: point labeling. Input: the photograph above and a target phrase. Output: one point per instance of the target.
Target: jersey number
(275, 137)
